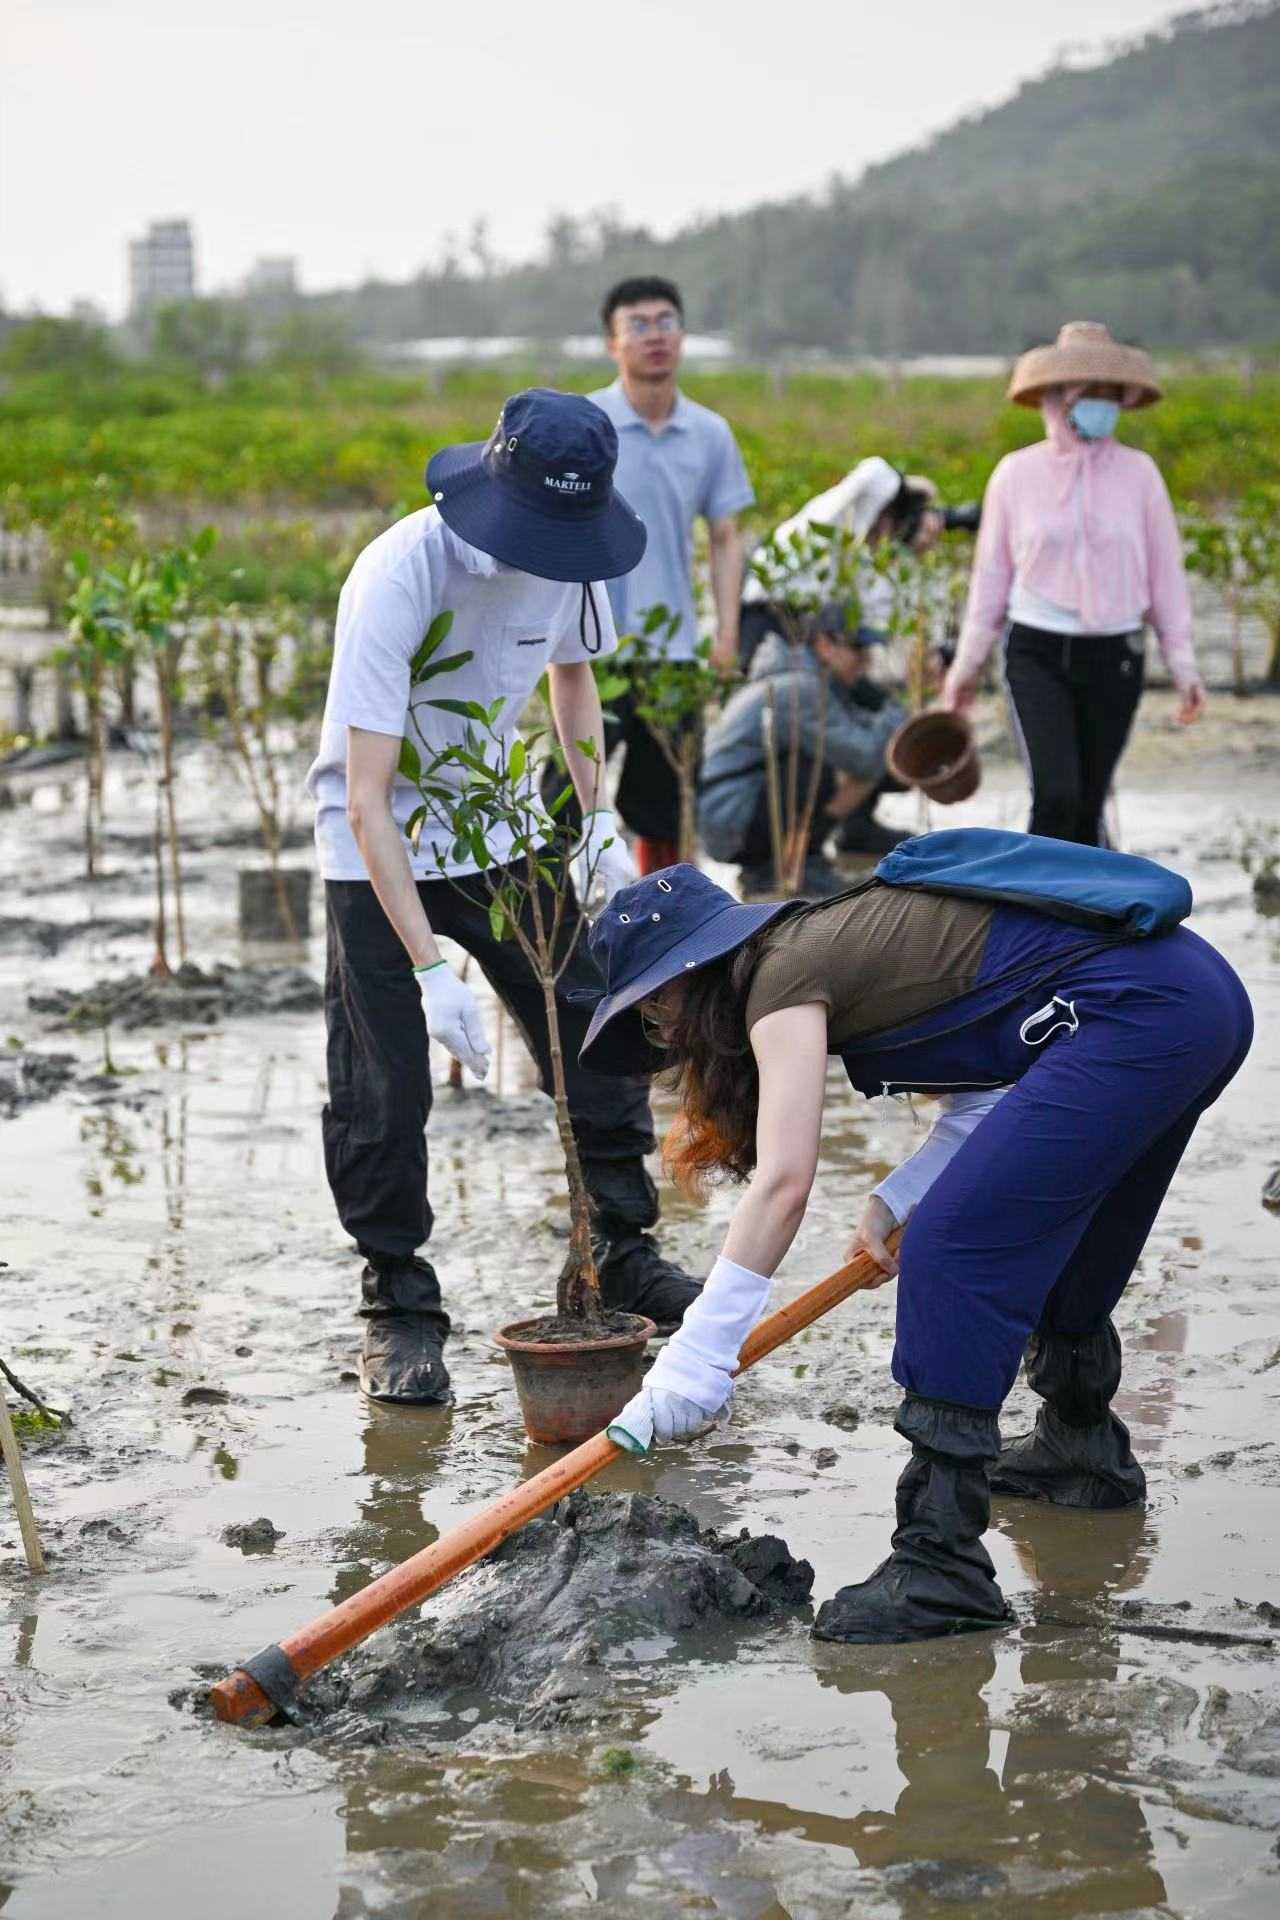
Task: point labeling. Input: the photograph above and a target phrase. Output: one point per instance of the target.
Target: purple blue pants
(1043, 1212)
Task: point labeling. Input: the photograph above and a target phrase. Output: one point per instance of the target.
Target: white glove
(695, 1369)
(598, 865)
(453, 1016)
(655, 1415)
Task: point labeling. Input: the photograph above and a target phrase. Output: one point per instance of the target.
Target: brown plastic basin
(937, 753)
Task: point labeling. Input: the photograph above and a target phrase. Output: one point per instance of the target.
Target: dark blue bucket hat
(539, 494)
(663, 927)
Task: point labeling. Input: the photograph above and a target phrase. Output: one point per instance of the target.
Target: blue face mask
(1094, 419)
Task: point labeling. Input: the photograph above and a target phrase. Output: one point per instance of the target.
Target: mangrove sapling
(1260, 521)
(163, 592)
(97, 641)
(671, 696)
(1234, 551)
(479, 799)
(259, 683)
(799, 572)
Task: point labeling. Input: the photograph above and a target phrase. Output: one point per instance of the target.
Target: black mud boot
(859, 832)
(758, 883)
(1078, 1453)
(939, 1578)
(820, 880)
(634, 1275)
(405, 1330)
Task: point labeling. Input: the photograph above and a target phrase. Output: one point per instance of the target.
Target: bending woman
(1026, 1209)
(1078, 549)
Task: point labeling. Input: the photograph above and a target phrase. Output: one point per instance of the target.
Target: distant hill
(1145, 191)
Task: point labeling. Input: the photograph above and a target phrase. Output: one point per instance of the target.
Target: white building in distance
(273, 274)
(162, 266)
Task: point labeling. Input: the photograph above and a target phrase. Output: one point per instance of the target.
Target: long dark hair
(713, 1072)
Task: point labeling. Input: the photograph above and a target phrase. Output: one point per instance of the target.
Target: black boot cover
(634, 1276)
(939, 1578)
(1078, 1453)
(405, 1331)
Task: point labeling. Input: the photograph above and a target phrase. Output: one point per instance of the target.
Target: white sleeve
(907, 1185)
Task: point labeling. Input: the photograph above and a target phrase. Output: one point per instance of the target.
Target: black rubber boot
(860, 832)
(939, 1578)
(634, 1275)
(1078, 1453)
(820, 880)
(405, 1331)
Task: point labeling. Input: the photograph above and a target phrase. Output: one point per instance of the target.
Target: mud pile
(20, 931)
(188, 995)
(548, 1626)
(27, 1077)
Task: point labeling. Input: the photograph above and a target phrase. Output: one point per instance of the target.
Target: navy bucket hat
(539, 494)
(665, 926)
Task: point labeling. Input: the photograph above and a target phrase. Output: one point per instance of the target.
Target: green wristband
(431, 966)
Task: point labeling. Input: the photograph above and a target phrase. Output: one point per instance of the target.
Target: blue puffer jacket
(733, 763)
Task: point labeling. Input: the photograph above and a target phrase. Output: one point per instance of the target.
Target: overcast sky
(357, 135)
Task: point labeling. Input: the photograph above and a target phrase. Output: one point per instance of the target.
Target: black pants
(1074, 697)
(374, 1125)
(757, 845)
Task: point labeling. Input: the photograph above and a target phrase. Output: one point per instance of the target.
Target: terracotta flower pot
(571, 1389)
(937, 753)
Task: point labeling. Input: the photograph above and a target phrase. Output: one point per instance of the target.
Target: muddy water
(175, 1273)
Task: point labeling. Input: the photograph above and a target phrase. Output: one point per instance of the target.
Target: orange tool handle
(240, 1698)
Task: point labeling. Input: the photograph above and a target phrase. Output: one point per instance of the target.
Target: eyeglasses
(637, 326)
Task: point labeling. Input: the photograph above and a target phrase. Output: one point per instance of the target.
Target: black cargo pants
(374, 1124)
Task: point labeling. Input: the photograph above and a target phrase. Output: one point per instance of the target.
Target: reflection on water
(1022, 1810)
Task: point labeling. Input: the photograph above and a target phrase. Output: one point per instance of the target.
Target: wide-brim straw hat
(1083, 352)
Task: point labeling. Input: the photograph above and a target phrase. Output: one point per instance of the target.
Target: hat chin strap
(589, 600)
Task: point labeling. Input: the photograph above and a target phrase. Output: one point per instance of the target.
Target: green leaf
(498, 920)
(450, 664)
(560, 802)
(516, 762)
(410, 764)
(587, 748)
(432, 640)
(465, 709)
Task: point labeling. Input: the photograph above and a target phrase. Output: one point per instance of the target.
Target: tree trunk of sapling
(126, 689)
(1241, 684)
(167, 704)
(578, 1288)
(1273, 657)
(64, 726)
(687, 778)
(94, 768)
(160, 962)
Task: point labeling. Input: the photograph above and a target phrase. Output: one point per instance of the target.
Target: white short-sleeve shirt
(514, 626)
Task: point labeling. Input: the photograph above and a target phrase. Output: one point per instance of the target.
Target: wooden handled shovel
(269, 1681)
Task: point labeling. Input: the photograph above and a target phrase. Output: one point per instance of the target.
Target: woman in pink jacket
(1078, 551)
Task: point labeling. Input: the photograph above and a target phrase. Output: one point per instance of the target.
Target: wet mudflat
(177, 1277)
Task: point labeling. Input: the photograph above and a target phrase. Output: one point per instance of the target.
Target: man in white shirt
(677, 462)
(522, 529)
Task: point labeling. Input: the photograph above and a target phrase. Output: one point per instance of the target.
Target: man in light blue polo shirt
(677, 461)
